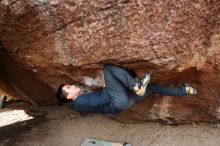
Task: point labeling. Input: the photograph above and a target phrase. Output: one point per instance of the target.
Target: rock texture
(48, 42)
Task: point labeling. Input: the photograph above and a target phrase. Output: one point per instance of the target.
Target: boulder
(45, 43)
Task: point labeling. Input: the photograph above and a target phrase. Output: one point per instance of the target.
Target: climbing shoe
(141, 86)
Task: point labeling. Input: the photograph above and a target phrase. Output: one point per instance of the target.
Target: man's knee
(110, 68)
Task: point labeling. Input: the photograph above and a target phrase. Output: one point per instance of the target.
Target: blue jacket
(98, 101)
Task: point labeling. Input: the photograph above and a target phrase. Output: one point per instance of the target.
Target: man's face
(70, 91)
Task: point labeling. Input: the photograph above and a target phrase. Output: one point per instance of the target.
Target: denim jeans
(120, 83)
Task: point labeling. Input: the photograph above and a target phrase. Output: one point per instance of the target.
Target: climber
(120, 93)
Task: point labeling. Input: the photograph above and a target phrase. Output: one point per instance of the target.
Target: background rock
(48, 42)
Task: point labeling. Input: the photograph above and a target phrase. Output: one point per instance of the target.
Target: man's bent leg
(116, 89)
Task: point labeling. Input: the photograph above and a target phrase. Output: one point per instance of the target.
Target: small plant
(125, 125)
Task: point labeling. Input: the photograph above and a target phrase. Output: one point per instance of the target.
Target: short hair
(60, 96)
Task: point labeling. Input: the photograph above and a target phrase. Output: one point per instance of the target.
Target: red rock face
(48, 42)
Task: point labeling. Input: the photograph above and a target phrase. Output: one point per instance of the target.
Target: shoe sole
(192, 91)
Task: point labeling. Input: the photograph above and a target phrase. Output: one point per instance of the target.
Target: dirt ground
(61, 126)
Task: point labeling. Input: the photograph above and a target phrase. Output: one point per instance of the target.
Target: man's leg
(167, 91)
(152, 89)
(117, 81)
